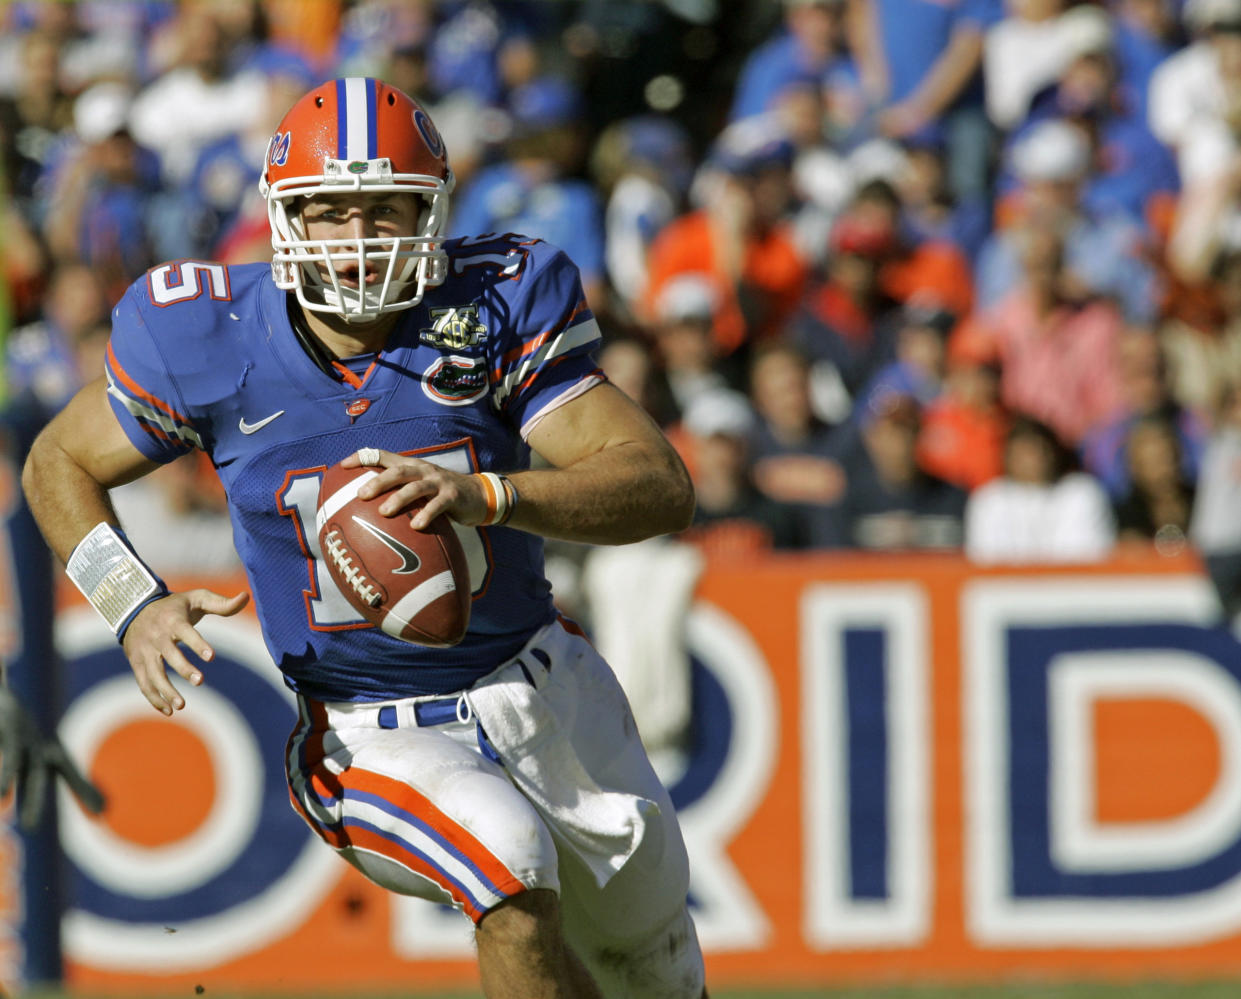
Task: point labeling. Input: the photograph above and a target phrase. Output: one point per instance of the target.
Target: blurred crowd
(893, 274)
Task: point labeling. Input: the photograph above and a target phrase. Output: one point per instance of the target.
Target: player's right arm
(73, 463)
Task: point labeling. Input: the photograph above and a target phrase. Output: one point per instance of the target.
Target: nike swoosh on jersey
(409, 558)
(250, 428)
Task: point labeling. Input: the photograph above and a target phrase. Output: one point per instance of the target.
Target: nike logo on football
(409, 558)
(250, 428)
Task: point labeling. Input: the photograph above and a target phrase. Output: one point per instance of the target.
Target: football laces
(351, 573)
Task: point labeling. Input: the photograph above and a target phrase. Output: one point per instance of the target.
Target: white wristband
(501, 497)
(111, 576)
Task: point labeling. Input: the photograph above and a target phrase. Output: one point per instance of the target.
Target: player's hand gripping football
(156, 636)
(409, 481)
(31, 762)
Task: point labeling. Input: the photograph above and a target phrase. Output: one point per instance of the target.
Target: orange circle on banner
(158, 779)
(1154, 759)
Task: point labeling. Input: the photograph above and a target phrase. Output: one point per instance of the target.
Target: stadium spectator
(1027, 50)
(1040, 509)
(1129, 167)
(643, 166)
(1146, 391)
(890, 502)
(930, 212)
(921, 61)
(844, 323)
(1103, 253)
(684, 314)
(200, 97)
(533, 191)
(965, 427)
(922, 328)
(36, 112)
(1203, 346)
(1058, 349)
(224, 214)
(1147, 33)
(42, 359)
(733, 519)
(740, 236)
(1159, 502)
(101, 194)
(1196, 90)
(795, 456)
(810, 44)
(1215, 528)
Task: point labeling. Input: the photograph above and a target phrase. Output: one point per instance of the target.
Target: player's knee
(529, 920)
(665, 965)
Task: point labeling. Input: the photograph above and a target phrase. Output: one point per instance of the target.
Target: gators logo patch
(456, 381)
(454, 328)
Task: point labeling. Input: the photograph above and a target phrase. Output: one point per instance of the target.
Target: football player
(504, 775)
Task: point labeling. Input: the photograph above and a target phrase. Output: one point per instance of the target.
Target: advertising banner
(897, 770)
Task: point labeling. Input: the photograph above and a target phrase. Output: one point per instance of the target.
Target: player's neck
(344, 339)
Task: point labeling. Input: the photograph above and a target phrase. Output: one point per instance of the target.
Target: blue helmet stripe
(372, 108)
(342, 119)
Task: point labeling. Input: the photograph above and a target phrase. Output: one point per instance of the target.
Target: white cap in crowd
(101, 111)
(687, 297)
(1052, 150)
(719, 412)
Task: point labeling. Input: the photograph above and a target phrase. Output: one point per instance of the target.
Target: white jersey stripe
(575, 336)
(149, 414)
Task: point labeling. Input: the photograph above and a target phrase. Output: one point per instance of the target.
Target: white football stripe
(410, 605)
(345, 494)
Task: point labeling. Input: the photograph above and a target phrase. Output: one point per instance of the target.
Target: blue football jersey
(204, 356)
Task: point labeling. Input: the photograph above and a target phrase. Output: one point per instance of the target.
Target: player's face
(359, 216)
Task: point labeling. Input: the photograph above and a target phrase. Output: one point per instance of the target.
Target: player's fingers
(401, 471)
(406, 496)
(370, 457)
(421, 517)
(155, 686)
(175, 659)
(201, 602)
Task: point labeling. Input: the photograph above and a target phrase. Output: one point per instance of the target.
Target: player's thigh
(421, 814)
(635, 933)
(652, 886)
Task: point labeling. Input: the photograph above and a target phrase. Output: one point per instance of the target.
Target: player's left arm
(614, 478)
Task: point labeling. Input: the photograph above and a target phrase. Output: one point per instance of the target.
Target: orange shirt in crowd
(962, 444)
(772, 265)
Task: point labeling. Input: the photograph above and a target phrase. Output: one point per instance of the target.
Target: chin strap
(310, 343)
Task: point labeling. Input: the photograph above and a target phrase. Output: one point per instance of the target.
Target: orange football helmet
(346, 135)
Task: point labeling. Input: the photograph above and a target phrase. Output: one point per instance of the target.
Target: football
(414, 585)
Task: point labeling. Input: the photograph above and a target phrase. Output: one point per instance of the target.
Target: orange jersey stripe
(139, 391)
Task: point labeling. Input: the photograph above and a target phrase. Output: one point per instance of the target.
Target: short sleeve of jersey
(141, 390)
(980, 14)
(546, 356)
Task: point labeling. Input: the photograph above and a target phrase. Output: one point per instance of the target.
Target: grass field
(1206, 990)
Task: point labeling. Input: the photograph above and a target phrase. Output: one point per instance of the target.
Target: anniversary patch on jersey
(456, 381)
(454, 328)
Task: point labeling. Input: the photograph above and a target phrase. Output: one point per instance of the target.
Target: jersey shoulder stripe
(517, 369)
(155, 416)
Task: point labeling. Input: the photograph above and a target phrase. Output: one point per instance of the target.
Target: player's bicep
(88, 433)
(600, 418)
